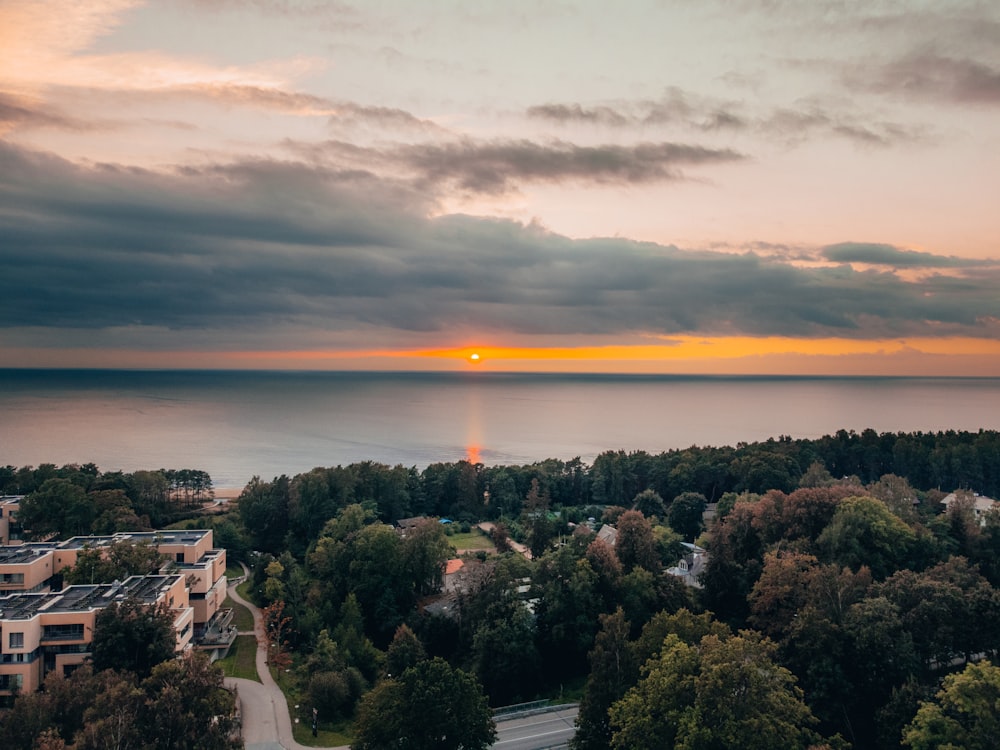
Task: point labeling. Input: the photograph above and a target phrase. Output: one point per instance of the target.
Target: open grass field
(471, 541)
(240, 660)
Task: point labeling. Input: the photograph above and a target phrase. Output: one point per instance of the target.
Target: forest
(841, 604)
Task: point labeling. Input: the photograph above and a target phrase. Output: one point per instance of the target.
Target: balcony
(217, 633)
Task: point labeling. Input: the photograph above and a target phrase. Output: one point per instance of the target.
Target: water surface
(238, 424)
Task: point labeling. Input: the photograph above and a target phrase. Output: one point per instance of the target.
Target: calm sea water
(237, 424)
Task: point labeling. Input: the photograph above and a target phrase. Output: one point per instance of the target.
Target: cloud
(497, 166)
(239, 248)
(888, 255)
(797, 122)
(675, 106)
(931, 76)
(23, 112)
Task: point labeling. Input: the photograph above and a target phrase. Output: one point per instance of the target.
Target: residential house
(691, 565)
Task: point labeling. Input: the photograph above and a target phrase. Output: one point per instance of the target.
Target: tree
(115, 562)
(636, 545)
(685, 514)
(132, 636)
(187, 707)
(263, 508)
(612, 671)
(865, 532)
(404, 652)
(649, 503)
(503, 649)
(962, 715)
(725, 693)
(57, 507)
(424, 553)
(431, 706)
(276, 627)
(535, 519)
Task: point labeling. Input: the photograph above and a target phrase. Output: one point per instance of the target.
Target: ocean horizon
(236, 424)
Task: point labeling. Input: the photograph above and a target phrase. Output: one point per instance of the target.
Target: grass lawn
(471, 541)
(240, 660)
(233, 570)
(242, 618)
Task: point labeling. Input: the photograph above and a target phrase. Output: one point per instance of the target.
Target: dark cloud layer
(496, 166)
(888, 255)
(501, 166)
(262, 244)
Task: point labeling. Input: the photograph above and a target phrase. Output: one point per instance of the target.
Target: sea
(236, 425)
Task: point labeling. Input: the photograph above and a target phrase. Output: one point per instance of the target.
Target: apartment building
(40, 633)
(10, 529)
(29, 572)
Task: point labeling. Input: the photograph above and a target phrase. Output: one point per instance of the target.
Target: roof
(608, 534)
(146, 589)
(982, 503)
(453, 566)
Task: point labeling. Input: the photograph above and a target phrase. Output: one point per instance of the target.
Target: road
(552, 729)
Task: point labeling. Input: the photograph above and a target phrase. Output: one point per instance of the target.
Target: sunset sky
(721, 186)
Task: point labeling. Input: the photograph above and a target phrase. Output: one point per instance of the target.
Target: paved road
(535, 732)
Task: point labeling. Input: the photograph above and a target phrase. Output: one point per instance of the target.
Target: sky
(655, 186)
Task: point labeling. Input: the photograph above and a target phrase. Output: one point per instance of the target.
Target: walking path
(266, 722)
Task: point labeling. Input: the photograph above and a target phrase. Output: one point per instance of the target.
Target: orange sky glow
(945, 357)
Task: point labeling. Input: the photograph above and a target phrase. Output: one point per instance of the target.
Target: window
(11, 577)
(11, 681)
(62, 632)
(16, 640)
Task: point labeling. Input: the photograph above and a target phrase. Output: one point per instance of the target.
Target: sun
(474, 357)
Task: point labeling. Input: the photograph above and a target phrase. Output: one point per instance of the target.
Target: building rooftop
(23, 553)
(204, 560)
(79, 542)
(171, 536)
(147, 589)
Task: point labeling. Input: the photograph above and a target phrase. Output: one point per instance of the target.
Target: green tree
(725, 693)
(535, 519)
(865, 532)
(963, 715)
(425, 551)
(649, 503)
(612, 672)
(685, 514)
(132, 636)
(116, 562)
(187, 707)
(431, 706)
(636, 545)
(57, 507)
(263, 508)
(404, 652)
(504, 653)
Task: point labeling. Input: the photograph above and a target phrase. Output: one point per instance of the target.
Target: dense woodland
(842, 606)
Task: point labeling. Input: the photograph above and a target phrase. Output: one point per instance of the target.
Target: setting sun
(474, 357)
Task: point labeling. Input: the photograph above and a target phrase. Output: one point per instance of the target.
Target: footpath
(264, 710)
